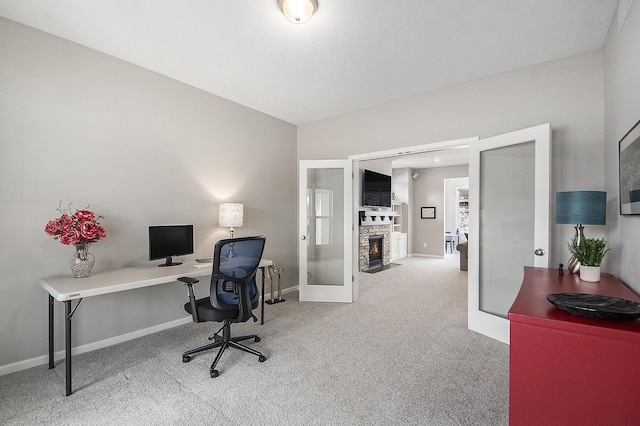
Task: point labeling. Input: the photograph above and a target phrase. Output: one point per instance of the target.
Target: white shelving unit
(399, 237)
(398, 222)
(462, 222)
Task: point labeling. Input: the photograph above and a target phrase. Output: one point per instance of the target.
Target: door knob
(304, 237)
(539, 252)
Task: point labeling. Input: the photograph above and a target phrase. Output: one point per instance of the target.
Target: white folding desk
(66, 288)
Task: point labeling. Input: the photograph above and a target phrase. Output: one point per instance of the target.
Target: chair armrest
(244, 302)
(189, 282)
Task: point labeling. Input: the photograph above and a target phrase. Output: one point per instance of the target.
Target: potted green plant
(589, 252)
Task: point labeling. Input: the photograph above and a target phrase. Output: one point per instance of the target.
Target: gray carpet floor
(401, 355)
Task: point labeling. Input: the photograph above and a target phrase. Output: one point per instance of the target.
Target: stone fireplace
(381, 233)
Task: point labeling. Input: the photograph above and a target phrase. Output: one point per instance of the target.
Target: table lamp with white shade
(231, 216)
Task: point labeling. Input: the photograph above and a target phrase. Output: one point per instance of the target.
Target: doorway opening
(401, 159)
(456, 214)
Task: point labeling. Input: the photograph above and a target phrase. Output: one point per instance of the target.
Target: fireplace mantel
(376, 217)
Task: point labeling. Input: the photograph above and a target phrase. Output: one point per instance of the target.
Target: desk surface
(65, 288)
(532, 307)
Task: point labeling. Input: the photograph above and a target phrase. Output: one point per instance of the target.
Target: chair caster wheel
(262, 358)
(214, 374)
(257, 339)
(186, 358)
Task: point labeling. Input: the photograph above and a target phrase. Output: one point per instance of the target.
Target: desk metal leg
(262, 303)
(51, 301)
(67, 344)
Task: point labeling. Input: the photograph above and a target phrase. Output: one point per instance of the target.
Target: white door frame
(543, 208)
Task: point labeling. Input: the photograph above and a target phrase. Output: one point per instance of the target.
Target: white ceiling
(438, 158)
(352, 54)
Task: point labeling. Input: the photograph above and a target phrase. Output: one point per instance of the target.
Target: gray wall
(428, 191)
(142, 149)
(622, 111)
(568, 93)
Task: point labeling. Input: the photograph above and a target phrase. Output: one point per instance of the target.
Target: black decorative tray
(596, 306)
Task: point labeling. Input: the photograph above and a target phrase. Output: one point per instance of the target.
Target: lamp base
(232, 251)
(573, 265)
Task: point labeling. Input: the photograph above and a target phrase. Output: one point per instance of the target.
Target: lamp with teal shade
(580, 208)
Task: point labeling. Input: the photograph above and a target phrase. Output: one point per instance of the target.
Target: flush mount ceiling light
(298, 11)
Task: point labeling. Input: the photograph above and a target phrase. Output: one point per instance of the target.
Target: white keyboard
(203, 265)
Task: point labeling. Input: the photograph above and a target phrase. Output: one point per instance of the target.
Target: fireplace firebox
(375, 251)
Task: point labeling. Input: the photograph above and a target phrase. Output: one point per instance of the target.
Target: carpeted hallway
(401, 355)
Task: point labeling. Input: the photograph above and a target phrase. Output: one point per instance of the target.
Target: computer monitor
(170, 240)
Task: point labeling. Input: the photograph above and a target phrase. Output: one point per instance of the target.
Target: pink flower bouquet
(81, 227)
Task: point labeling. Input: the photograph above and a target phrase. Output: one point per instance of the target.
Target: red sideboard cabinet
(566, 369)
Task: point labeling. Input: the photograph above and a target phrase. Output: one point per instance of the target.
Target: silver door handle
(304, 237)
(539, 252)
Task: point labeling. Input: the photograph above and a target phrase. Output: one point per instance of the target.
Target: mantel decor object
(79, 229)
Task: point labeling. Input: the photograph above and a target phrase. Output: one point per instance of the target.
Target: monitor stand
(170, 262)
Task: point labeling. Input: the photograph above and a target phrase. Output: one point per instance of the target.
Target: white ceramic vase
(590, 273)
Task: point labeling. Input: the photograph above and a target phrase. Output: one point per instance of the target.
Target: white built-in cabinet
(399, 240)
(398, 245)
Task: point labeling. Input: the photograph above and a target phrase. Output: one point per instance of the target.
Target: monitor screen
(376, 189)
(170, 240)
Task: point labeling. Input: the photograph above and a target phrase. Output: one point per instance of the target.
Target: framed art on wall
(428, 213)
(629, 171)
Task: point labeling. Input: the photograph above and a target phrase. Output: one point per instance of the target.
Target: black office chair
(233, 295)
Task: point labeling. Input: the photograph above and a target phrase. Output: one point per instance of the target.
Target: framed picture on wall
(427, 212)
(629, 171)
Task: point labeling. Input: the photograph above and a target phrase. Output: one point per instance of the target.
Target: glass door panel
(508, 223)
(507, 177)
(325, 222)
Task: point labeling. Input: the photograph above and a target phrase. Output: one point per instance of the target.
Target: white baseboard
(284, 291)
(426, 255)
(44, 359)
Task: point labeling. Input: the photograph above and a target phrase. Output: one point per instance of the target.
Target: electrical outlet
(425, 245)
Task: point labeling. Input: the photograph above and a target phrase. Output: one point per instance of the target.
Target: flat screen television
(167, 241)
(376, 189)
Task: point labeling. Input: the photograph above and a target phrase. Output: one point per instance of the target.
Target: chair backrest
(233, 285)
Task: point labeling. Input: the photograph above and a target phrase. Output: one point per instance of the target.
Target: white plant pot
(590, 273)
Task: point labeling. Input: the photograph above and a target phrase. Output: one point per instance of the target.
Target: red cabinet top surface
(531, 305)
